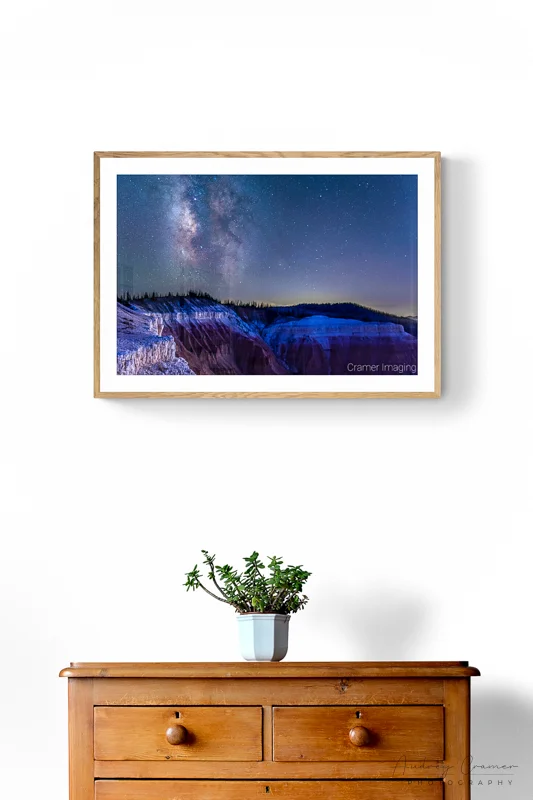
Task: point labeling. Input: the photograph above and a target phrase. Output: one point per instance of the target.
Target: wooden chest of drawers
(296, 731)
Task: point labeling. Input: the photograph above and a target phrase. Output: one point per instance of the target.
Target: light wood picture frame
(267, 274)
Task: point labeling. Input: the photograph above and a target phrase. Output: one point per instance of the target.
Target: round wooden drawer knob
(177, 734)
(359, 736)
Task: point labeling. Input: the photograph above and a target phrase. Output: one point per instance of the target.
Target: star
(231, 234)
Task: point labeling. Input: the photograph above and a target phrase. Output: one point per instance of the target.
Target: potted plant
(263, 597)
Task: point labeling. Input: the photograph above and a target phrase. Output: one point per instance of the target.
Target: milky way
(271, 238)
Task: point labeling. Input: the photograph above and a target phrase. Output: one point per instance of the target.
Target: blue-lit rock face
(142, 349)
(319, 345)
(199, 335)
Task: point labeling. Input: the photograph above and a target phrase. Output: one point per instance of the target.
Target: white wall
(412, 515)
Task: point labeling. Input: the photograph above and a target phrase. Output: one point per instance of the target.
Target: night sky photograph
(277, 239)
(267, 274)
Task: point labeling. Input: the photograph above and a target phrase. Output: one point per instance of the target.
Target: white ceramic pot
(263, 637)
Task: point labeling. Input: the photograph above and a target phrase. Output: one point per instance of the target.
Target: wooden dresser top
(285, 669)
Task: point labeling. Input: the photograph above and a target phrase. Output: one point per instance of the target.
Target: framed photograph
(267, 275)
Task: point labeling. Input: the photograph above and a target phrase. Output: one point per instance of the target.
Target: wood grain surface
(271, 770)
(251, 790)
(457, 747)
(214, 734)
(269, 728)
(283, 669)
(267, 154)
(323, 733)
(268, 691)
(80, 739)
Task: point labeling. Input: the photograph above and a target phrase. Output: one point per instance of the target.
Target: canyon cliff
(208, 337)
(319, 345)
(196, 335)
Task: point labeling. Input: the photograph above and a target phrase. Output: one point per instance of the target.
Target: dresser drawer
(368, 733)
(200, 733)
(253, 790)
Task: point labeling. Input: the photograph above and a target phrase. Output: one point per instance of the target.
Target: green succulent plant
(273, 589)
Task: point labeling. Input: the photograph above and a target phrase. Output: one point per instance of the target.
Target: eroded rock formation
(190, 335)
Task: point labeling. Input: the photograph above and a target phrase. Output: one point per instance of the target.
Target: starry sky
(280, 239)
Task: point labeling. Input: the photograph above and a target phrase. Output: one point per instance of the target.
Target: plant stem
(220, 589)
(220, 599)
(282, 597)
(241, 594)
